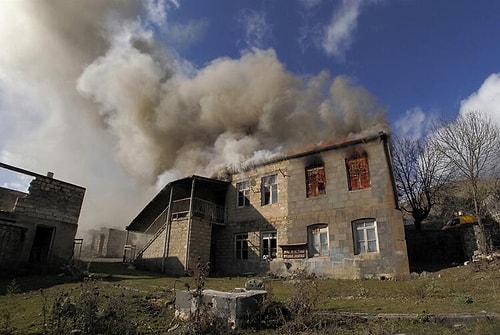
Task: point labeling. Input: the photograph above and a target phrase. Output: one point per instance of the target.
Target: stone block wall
(257, 211)
(254, 220)
(48, 217)
(177, 246)
(52, 199)
(199, 244)
(8, 199)
(337, 209)
(340, 207)
(61, 243)
(152, 256)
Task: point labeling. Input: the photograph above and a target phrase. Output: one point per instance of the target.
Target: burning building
(37, 229)
(330, 210)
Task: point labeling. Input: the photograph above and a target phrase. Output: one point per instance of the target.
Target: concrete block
(237, 307)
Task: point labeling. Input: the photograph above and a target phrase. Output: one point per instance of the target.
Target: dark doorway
(41, 244)
(216, 231)
(213, 257)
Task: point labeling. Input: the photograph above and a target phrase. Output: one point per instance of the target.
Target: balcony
(202, 209)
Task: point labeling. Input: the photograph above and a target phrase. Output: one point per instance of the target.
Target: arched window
(364, 232)
(318, 240)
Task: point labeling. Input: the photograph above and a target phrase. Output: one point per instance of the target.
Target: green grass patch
(145, 297)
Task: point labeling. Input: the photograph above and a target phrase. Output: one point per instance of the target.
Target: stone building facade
(38, 227)
(329, 209)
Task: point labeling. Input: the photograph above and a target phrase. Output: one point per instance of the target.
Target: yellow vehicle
(460, 220)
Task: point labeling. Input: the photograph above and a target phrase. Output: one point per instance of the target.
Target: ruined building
(37, 229)
(330, 210)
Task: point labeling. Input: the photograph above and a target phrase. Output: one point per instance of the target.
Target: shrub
(87, 312)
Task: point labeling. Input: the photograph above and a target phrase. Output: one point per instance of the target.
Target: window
(269, 190)
(365, 236)
(318, 240)
(243, 193)
(269, 245)
(358, 174)
(241, 250)
(315, 181)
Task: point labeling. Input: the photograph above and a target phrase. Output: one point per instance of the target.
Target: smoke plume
(90, 93)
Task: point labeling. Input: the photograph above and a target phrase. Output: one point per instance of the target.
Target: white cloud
(190, 32)
(338, 34)
(308, 4)
(486, 99)
(414, 124)
(157, 10)
(257, 31)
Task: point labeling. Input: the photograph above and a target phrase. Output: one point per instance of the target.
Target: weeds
(202, 319)
(6, 327)
(464, 299)
(423, 290)
(86, 312)
(301, 305)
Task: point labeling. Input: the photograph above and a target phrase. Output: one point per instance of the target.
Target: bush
(87, 312)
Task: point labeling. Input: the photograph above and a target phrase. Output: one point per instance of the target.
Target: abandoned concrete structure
(330, 210)
(104, 242)
(38, 228)
(110, 243)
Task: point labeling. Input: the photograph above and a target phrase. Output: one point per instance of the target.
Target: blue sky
(427, 54)
(123, 96)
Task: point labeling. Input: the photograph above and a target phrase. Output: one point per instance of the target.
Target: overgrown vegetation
(7, 310)
(202, 320)
(131, 302)
(86, 311)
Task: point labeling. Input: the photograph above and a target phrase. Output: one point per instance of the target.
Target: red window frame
(315, 181)
(358, 172)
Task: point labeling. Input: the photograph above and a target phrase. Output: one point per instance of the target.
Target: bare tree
(471, 144)
(419, 173)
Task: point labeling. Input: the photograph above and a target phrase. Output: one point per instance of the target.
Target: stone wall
(152, 256)
(199, 245)
(8, 199)
(47, 217)
(60, 246)
(52, 199)
(337, 209)
(254, 219)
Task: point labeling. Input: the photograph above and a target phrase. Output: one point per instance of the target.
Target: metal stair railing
(162, 216)
(180, 209)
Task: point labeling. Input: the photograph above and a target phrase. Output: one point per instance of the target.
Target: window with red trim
(315, 181)
(358, 173)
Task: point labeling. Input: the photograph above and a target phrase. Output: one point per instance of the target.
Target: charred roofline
(382, 135)
(34, 174)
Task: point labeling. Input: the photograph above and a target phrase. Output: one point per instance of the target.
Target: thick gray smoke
(87, 91)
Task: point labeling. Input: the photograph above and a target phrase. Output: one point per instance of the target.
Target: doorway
(41, 244)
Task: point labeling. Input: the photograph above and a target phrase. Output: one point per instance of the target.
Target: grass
(464, 289)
